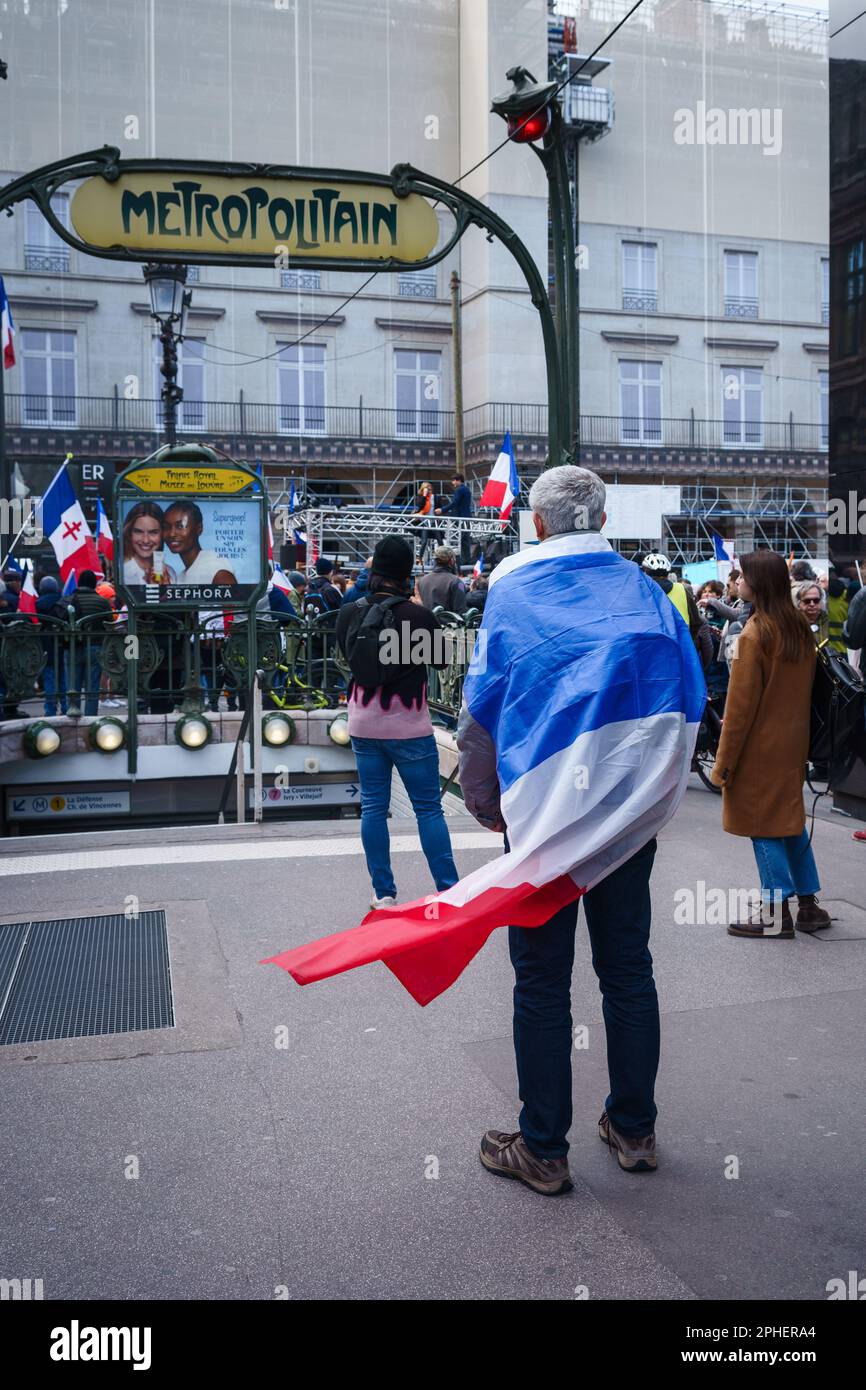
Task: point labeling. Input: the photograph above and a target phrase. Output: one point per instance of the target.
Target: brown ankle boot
(811, 917)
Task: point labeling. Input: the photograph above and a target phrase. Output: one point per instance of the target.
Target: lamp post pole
(169, 302)
(533, 114)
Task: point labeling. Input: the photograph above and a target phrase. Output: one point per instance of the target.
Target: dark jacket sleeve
(457, 597)
(854, 631)
(477, 775)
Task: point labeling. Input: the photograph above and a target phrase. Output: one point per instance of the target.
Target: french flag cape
(588, 682)
(64, 524)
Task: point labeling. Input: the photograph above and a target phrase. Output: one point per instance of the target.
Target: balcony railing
(740, 307)
(640, 301)
(352, 422)
(47, 260)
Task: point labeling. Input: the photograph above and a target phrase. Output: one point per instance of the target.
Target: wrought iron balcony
(47, 260)
(740, 307)
(242, 418)
(640, 301)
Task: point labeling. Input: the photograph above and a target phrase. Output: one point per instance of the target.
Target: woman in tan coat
(761, 761)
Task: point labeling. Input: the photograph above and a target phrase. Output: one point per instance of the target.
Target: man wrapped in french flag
(581, 710)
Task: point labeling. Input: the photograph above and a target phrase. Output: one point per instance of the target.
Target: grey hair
(443, 555)
(799, 589)
(568, 498)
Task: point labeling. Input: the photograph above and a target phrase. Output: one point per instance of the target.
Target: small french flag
(724, 549)
(479, 565)
(280, 580)
(70, 586)
(7, 328)
(104, 538)
(27, 597)
(503, 486)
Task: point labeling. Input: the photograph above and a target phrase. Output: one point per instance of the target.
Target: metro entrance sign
(174, 211)
(240, 213)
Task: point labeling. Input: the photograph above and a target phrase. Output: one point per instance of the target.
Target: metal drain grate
(81, 977)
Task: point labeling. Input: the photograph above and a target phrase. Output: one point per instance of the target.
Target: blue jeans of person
(417, 761)
(87, 679)
(618, 915)
(54, 683)
(786, 866)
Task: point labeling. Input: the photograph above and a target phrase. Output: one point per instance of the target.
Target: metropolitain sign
(240, 214)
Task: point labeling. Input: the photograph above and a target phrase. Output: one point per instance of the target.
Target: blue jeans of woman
(417, 761)
(786, 866)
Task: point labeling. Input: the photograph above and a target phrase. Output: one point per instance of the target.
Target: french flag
(104, 538)
(593, 758)
(479, 565)
(300, 536)
(27, 597)
(724, 550)
(64, 524)
(280, 581)
(7, 328)
(70, 586)
(503, 485)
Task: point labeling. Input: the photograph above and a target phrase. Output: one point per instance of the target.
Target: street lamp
(532, 113)
(169, 301)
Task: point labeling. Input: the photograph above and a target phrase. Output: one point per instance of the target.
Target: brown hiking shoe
(507, 1155)
(766, 921)
(811, 917)
(633, 1155)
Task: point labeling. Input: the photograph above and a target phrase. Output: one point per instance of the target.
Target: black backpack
(369, 623)
(837, 733)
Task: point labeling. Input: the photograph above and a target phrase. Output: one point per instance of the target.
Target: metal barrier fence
(83, 666)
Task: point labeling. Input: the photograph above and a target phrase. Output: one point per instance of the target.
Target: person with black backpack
(388, 640)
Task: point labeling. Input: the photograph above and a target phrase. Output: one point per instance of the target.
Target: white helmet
(656, 563)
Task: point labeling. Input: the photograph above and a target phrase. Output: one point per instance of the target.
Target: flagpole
(5, 476)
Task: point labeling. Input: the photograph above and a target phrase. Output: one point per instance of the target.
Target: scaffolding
(350, 533)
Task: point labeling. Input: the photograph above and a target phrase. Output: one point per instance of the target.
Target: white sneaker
(376, 903)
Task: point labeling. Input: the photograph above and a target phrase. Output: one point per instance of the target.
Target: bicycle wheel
(707, 747)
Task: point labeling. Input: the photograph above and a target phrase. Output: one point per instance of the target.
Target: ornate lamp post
(532, 114)
(169, 301)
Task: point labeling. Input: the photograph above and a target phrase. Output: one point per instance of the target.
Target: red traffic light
(523, 130)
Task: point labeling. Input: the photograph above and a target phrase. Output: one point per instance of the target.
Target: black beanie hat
(393, 558)
(324, 566)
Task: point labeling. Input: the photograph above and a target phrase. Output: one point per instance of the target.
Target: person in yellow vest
(837, 611)
(658, 567)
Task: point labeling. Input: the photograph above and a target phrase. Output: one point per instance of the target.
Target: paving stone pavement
(325, 1139)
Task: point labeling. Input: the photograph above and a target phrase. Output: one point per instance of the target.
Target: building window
(417, 285)
(640, 402)
(191, 412)
(825, 290)
(49, 377)
(824, 407)
(301, 389)
(300, 279)
(44, 251)
(743, 405)
(639, 277)
(741, 284)
(417, 394)
(852, 307)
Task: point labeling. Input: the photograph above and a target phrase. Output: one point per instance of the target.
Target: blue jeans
(618, 916)
(54, 682)
(88, 676)
(417, 761)
(786, 866)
